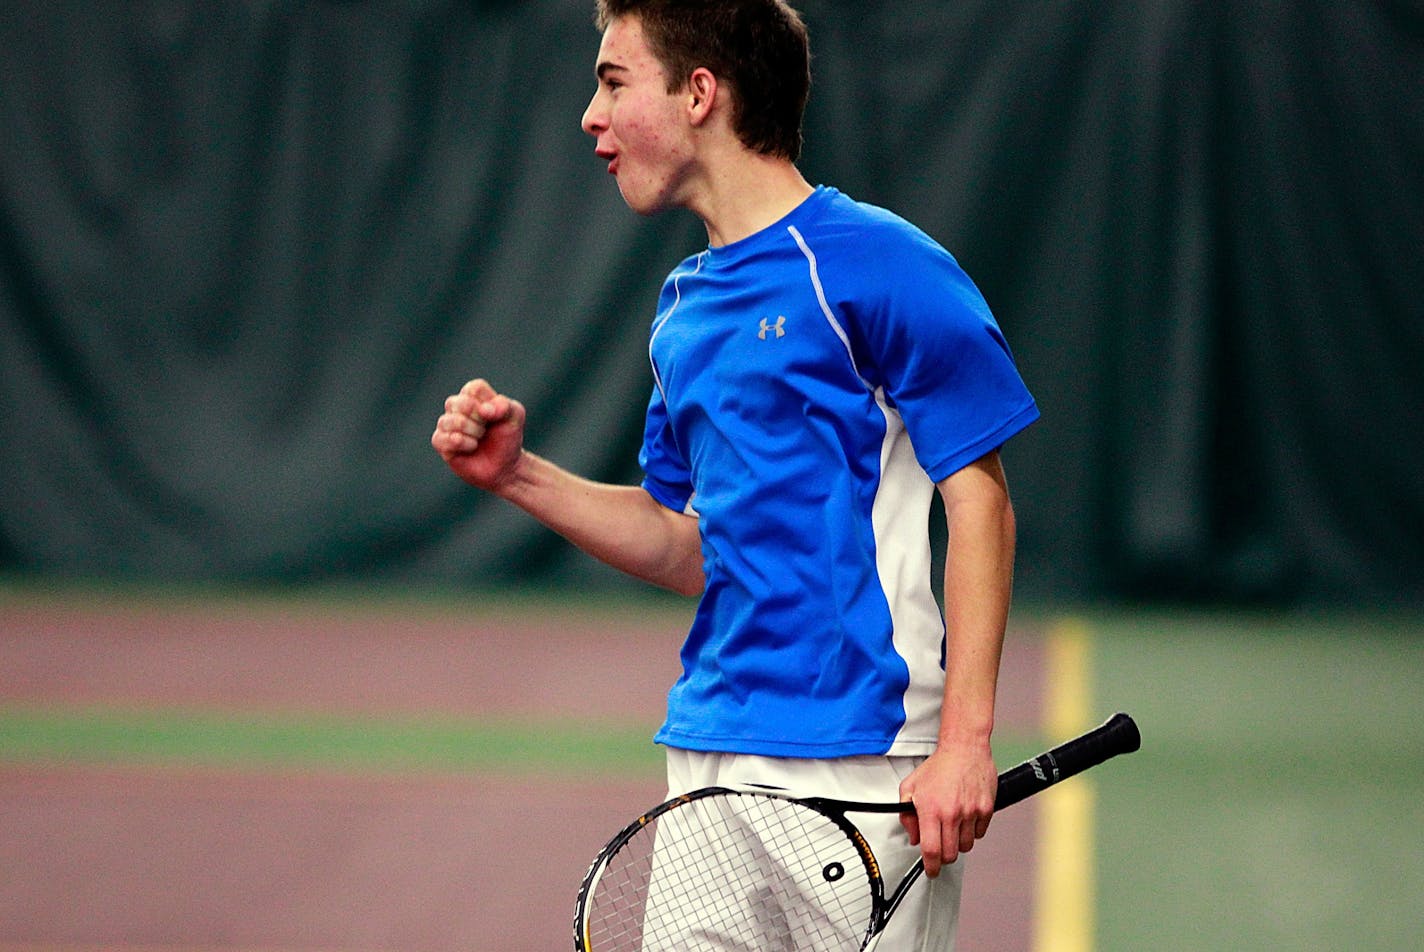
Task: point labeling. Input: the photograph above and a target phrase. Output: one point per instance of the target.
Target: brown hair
(758, 47)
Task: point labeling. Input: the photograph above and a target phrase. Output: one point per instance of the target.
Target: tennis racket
(747, 869)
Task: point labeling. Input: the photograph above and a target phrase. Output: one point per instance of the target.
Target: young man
(818, 372)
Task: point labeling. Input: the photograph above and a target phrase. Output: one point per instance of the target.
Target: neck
(747, 195)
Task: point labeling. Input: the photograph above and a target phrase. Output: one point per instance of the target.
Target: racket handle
(1118, 735)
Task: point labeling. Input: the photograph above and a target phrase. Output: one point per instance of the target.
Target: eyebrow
(606, 67)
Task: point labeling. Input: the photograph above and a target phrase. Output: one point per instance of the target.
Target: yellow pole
(1063, 918)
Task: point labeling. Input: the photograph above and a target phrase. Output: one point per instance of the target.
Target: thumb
(502, 409)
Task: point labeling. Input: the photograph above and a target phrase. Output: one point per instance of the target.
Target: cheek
(649, 131)
(639, 135)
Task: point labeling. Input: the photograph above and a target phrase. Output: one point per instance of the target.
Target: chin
(643, 204)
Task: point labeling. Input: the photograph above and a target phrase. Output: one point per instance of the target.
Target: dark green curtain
(247, 248)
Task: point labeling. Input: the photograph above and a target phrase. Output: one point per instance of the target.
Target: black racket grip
(1117, 736)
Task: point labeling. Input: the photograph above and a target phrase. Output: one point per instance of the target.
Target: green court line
(105, 735)
(108, 736)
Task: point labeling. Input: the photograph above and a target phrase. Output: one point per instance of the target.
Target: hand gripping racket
(735, 869)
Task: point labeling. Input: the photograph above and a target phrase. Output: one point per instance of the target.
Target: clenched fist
(480, 435)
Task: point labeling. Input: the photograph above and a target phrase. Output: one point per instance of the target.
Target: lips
(612, 157)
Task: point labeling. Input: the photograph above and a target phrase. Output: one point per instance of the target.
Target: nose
(595, 118)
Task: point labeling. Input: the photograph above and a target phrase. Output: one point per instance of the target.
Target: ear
(701, 95)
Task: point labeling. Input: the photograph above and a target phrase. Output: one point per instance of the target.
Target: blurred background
(247, 249)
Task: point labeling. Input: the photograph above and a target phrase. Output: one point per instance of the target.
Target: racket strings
(732, 873)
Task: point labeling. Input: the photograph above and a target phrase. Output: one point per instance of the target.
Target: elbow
(683, 557)
(689, 583)
(685, 576)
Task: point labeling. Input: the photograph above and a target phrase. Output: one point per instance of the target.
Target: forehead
(625, 50)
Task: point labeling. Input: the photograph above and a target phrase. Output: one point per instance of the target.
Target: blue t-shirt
(813, 382)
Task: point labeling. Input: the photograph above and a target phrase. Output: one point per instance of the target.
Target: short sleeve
(666, 476)
(928, 338)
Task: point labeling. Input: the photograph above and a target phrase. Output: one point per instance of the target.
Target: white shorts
(929, 915)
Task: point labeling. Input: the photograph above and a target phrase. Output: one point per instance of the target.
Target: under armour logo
(779, 327)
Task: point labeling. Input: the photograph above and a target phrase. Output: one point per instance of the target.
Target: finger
(461, 424)
(911, 820)
(911, 823)
(452, 441)
(966, 836)
(480, 400)
(478, 389)
(515, 414)
(930, 844)
(479, 409)
(495, 409)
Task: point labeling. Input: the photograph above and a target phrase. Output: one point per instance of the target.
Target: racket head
(720, 867)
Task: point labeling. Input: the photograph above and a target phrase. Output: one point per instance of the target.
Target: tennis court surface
(289, 775)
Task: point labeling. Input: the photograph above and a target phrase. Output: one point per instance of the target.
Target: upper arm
(980, 483)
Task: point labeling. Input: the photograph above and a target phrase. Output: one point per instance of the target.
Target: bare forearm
(621, 525)
(953, 790)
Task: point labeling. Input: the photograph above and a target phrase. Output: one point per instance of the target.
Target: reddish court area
(176, 858)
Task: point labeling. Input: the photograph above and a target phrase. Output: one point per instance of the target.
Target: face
(641, 128)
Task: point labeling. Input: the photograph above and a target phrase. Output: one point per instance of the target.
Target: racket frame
(832, 809)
